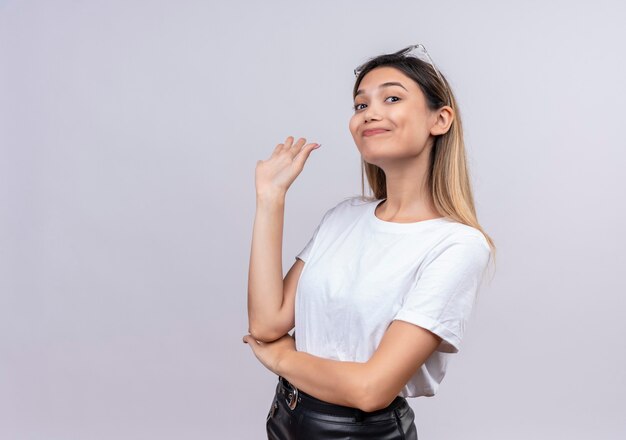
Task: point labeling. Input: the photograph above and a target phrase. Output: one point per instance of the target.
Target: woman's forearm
(339, 382)
(265, 274)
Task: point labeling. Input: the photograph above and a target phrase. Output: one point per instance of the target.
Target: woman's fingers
(290, 146)
(283, 167)
(298, 145)
(280, 147)
(248, 339)
(284, 146)
(304, 153)
(288, 141)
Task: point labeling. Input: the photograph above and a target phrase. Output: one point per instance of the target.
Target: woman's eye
(356, 106)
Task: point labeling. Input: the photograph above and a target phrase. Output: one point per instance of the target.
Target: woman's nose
(371, 113)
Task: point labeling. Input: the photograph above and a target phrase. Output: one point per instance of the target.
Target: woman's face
(399, 109)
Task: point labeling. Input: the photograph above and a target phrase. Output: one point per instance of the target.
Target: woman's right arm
(270, 298)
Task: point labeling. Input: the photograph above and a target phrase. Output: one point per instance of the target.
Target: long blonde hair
(448, 174)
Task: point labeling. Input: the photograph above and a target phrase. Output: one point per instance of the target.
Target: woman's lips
(373, 132)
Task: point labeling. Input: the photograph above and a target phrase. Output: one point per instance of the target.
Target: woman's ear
(445, 116)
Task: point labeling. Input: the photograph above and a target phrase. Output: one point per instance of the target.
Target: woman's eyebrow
(387, 84)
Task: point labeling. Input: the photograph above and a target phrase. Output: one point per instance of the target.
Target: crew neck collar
(384, 225)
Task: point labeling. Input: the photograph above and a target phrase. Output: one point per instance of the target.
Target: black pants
(296, 415)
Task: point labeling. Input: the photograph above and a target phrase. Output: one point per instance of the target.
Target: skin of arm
(265, 274)
(367, 385)
(267, 318)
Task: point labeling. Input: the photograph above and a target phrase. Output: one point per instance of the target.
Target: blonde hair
(448, 174)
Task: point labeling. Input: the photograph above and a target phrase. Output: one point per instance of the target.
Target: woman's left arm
(367, 385)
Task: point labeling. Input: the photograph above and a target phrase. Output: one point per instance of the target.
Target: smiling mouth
(374, 132)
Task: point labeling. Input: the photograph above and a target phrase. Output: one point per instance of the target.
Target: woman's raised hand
(276, 174)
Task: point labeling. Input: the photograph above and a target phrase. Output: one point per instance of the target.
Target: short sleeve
(443, 296)
(304, 253)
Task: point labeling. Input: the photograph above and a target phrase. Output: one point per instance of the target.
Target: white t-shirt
(361, 273)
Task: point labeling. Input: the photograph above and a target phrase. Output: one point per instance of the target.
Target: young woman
(386, 284)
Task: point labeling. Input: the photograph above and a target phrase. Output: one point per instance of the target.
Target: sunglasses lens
(417, 51)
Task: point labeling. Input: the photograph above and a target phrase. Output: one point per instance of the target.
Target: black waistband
(308, 401)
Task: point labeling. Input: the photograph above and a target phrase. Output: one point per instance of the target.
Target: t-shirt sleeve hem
(450, 342)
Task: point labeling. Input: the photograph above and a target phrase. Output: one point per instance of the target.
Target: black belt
(293, 396)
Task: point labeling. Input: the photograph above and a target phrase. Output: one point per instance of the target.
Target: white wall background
(129, 133)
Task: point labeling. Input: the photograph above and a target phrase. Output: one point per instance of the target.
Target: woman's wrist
(284, 361)
(271, 197)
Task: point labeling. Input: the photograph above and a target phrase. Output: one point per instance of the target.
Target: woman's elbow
(265, 334)
(375, 397)
(262, 335)
(375, 403)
